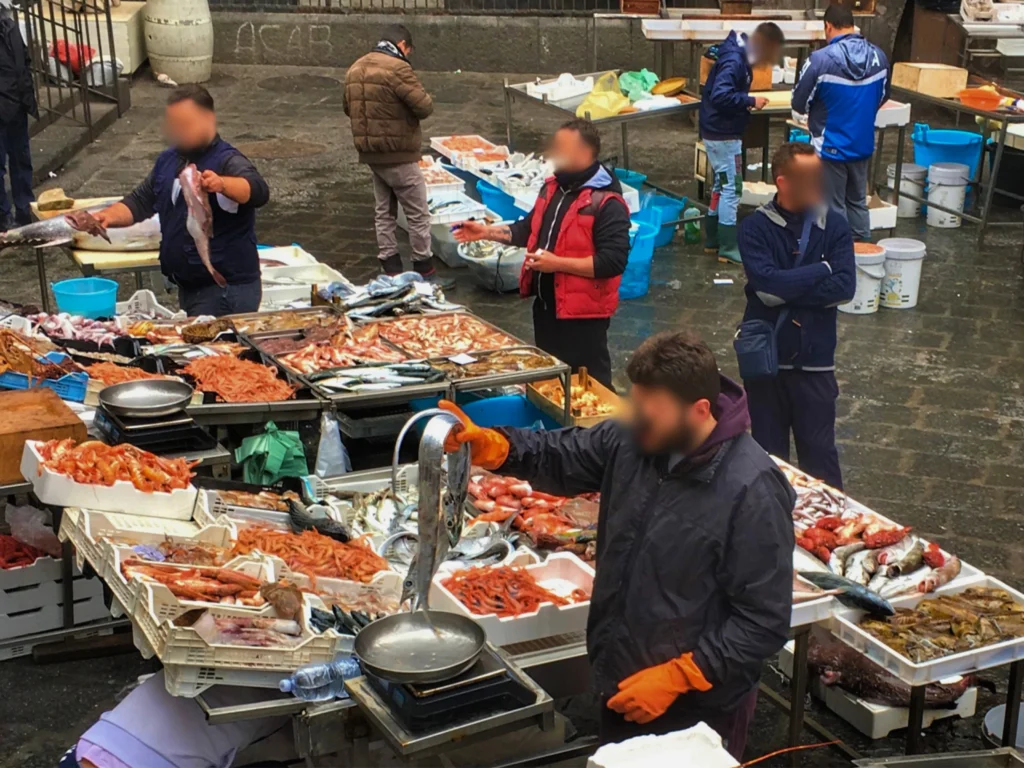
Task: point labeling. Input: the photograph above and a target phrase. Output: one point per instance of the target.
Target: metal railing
(553, 7)
(71, 49)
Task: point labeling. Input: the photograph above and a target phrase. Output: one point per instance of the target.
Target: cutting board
(113, 261)
(32, 414)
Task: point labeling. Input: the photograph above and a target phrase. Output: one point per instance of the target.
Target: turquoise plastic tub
(946, 146)
(90, 297)
(499, 202)
(636, 280)
(491, 412)
(669, 209)
(631, 178)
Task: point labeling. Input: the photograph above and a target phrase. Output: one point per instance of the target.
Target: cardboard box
(940, 80)
(556, 410)
(762, 80)
(32, 414)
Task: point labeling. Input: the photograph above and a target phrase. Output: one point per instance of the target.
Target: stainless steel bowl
(148, 398)
(403, 648)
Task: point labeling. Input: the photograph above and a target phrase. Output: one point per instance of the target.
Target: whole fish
(860, 566)
(853, 596)
(907, 584)
(315, 518)
(200, 218)
(840, 665)
(940, 576)
(911, 560)
(892, 554)
(58, 230)
(805, 561)
(878, 581)
(837, 560)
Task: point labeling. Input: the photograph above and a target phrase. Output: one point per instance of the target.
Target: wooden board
(776, 99)
(85, 202)
(32, 414)
(116, 261)
(940, 80)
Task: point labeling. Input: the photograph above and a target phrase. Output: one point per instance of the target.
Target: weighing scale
(176, 433)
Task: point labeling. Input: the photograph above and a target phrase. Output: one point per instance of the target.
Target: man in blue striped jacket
(839, 91)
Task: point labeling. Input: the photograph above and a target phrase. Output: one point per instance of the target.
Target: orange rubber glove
(646, 695)
(487, 447)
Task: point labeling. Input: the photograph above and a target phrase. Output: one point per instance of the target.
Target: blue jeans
(217, 301)
(16, 154)
(726, 161)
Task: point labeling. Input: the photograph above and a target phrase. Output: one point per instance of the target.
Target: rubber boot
(392, 265)
(711, 229)
(427, 272)
(728, 250)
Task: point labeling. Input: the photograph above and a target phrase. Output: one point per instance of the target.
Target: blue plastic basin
(90, 297)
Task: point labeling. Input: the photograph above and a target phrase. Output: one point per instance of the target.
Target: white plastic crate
(438, 144)
(845, 627)
(282, 285)
(560, 573)
(32, 599)
(563, 89)
(62, 491)
(188, 681)
(365, 482)
(811, 612)
(18, 323)
(892, 113)
(468, 209)
(16, 650)
(144, 304)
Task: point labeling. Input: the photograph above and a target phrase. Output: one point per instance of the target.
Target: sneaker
(392, 265)
(426, 270)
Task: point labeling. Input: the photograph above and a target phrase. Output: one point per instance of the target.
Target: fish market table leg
(1012, 704)
(915, 721)
(44, 286)
(798, 685)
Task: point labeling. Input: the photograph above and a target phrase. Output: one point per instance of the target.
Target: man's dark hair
(839, 16)
(194, 93)
(771, 32)
(397, 33)
(784, 155)
(679, 362)
(587, 131)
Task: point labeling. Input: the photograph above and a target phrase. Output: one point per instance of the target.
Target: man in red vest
(577, 241)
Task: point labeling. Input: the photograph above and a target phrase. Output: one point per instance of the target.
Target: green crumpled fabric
(267, 457)
(637, 85)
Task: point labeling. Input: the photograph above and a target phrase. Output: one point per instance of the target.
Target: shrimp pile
(313, 554)
(15, 554)
(96, 463)
(109, 373)
(208, 585)
(238, 381)
(504, 591)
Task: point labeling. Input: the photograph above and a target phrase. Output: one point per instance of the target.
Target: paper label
(462, 359)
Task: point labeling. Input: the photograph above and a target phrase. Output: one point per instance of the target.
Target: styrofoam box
(437, 143)
(876, 721)
(757, 193)
(845, 627)
(473, 209)
(892, 113)
(881, 213)
(304, 275)
(560, 573)
(62, 491)
(32, 599)
(288, 255)
(561, 89)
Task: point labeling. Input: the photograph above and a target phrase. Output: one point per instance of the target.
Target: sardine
(854, 595)
(315, 518)
(860, 566)
(837, 561)
(200, 218)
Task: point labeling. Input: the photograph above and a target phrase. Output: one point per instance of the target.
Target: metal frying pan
(403, 648)
(147, 398)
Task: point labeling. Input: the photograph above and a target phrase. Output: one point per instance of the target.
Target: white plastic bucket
(870, 273)
(947, 186)
(902, 281)
(912, 183)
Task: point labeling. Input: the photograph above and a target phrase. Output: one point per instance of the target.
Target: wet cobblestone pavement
(931, 421)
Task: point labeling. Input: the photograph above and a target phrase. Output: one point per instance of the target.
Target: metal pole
(625, 145)
(915, 722)
(44, 289)
(593, 66)
(798, 685)
(1012, 713)
(567, 396)
(764, 149)
(898, 179)
(508, 115)
(992, 176)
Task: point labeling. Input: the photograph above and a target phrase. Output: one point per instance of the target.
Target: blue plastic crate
(69, 387)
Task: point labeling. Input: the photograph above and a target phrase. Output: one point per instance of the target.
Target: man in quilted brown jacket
(386, 102)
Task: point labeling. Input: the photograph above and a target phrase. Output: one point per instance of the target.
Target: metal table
(986, 30)
(224, 414)
(517, 92)
(1005, 120)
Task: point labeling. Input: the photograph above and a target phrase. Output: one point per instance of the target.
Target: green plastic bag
(268, 457)
(637, 85)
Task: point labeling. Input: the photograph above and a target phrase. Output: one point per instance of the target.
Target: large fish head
(409, 585)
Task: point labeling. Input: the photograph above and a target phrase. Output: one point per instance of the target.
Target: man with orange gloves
(694, 542)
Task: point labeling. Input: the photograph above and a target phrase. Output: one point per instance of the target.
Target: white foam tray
(62, 491)
(892, 113)
(876, 721)
(473, 209)
(557, 573)
(305, 275)
(437, 144)
(290, 255)
(845, 627)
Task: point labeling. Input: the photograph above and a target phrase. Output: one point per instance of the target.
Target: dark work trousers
(16, 155)
(580, 343)
(805, 403)
(732, 726)
(217, 301)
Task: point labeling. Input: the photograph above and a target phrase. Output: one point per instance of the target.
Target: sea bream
(200, 218)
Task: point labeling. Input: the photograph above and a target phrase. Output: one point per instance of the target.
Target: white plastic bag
(331, 455)
(33, 527)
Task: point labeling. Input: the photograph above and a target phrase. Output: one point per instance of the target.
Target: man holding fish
(206, 194)
(694, 543)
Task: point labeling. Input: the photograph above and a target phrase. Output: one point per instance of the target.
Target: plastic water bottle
(321, 682)
(691, 227)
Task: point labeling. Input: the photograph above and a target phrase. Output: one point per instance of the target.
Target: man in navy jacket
(801, 398)
(724, 113)
(840, 90)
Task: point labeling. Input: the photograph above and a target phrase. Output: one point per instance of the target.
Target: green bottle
(691, 227)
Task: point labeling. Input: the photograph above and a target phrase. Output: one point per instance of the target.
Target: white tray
(892, 113)
(437, 144)
(473, 209)
(305, 275)
(558, 91)
(289, 255)
(845, 627)
(62, 491)
(554, 573)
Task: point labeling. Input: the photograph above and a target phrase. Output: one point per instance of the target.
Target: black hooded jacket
(17, 93)
(696, 558)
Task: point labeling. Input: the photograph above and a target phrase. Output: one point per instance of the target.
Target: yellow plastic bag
(605, 100)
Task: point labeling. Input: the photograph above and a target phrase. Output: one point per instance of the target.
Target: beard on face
(681, 439)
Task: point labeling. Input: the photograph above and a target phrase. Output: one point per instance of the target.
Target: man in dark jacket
(577, 241)
(235, 189)
(839, 91)
(386, 102)
(694, 542)
(17, 102)
(798, 293)
(724, 114)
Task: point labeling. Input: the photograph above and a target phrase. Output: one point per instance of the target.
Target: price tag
(462, 359)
